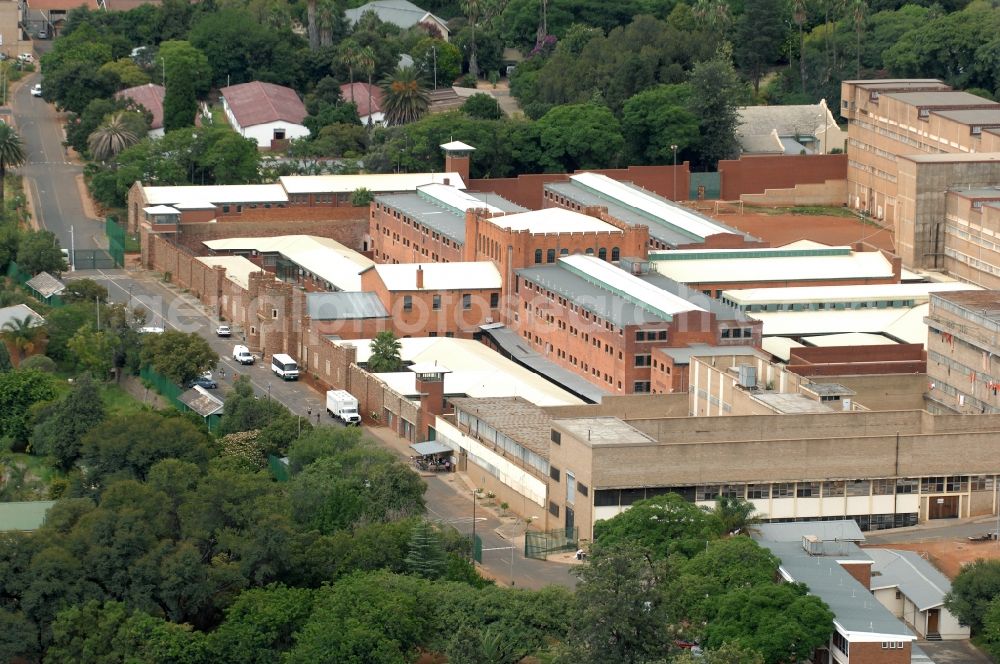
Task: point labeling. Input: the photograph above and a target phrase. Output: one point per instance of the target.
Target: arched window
(550, 256)
(564, 252)
(602, 253)
(615, 254)
(590, 251)
(538, 256)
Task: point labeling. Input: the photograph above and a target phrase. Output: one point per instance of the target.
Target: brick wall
(862, 572)
(868, 360)
(874, 653)
(350, 232)
(755, 175)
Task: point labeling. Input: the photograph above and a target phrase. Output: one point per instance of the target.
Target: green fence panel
(540, 544)
(279, 469)
(17, 274)
(116, 241)
(706, 186)
(477, 549)
(94, 259)
(164, 386)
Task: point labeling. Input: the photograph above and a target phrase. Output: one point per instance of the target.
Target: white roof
(780, 347)
(328, 259)
(861, 293)
(454, 198)
(457, 145)
(632, 288)
(850, 339)
(160, 209)
(440, 276)
(238, 268)
(901, 323)
(223, 193)
(706, 266)
(644, 202)
(476, 371)
(374, 182)
(554, 220)
(20, 312)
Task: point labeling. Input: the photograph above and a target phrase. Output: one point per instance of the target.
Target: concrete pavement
(931, 531)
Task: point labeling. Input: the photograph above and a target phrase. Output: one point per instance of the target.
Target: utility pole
(97, 305)
(72, 251)
(435, 52)
(674, 148)
(473, 550)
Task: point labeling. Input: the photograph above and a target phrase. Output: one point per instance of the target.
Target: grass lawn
(219, 118)
(810, 210)
(119, 402)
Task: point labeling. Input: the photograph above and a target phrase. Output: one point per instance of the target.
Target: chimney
(420, 277)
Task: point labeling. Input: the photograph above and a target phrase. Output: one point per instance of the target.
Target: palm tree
(736, 516)
(405, 97)
(11, 155)
(111, 137)
(21, 334)
(713, 15)
(366, 63)
(799, 15)
(385, 353)
(348, 57)
(859, 9)
(472, 9)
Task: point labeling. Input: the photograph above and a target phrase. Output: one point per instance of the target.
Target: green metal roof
(27, 515)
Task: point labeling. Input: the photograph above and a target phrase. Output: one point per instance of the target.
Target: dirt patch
(780, 229)
(950, 556)
(134, 386)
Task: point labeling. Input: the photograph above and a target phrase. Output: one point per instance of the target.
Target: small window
(466, 301)
(616, 254)
(538, 256)
(550, 256)
(494, 300)
(274, 313)
(436, 302)
(582, 488)
(553, 509)
(554, 473)
(555, 437)
(407, 303)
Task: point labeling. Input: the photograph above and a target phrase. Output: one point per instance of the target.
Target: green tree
(619, 616)
(128, 446)
(664, 525)
(716, 93)
(94, 351)
(385, 353)
(85, 290)
(233, 159)
(182, 60)
(990, 633)
(62, 324)
(976, 585)
(179, 104)
(39, 251)
(362, 197)
(736, 516)
(404, 97)
(760, 34)
(19, 391)
(11, 155)
(656, 120)
(180, 356)
(781, 621)
(260, 625)
(446, 56)
(580, 136)
(111, 137)
(482, 106)
(59, 432)
(126, 72)
(426, 557)
(729, 653)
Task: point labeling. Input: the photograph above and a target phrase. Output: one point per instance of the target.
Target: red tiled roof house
(269, 114)
(150, 97)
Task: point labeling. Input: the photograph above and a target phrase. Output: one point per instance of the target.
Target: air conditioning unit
(747, 376)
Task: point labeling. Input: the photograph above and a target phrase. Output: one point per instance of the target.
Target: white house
(796, 129)
(269, 114)
(368, 99)
(400, 13)
(150, 97)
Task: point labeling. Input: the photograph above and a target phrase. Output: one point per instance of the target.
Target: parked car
(242, 354)
(223, 331)
(43, 33)
(26, 58)
(36, 91)
(201, 381)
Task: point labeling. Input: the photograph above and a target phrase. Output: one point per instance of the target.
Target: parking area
(953, 652)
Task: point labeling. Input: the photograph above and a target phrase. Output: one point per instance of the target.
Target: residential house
(150, 97)
(797, 129)
(267, 113)
(402, 14)
(368, 99)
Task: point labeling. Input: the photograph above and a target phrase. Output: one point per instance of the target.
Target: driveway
(953, 652)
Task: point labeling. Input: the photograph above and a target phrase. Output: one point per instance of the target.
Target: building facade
(963, 352)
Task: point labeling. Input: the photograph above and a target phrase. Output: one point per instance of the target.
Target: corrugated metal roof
(374, 182)
(850, 339)
(344, 306)
(780, 347)
(238, 268)
(397, 12)
(859, 293)
(939, 98)
(218, 194)
(327, 259)
(916, 578)
(200, 401)
(257, 103)
(150, 97)
(446, 220)
(527, 424)
(45, 284)
(554, 220)
(844, 530)
(904, 324)
(24, 515)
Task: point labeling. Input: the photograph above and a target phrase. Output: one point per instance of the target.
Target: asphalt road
(50, 178)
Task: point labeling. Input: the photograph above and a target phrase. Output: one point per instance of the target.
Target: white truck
(342, 405)
(242, 354)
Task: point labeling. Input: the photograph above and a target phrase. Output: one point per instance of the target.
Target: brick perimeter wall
(350, 232)
(755, 175)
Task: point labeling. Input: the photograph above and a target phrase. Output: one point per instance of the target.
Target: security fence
(541, 544)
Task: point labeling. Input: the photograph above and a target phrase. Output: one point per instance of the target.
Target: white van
(242, 354)
(284, 366)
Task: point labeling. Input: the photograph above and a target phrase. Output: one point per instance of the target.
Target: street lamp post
(674, 148)
(435, 52)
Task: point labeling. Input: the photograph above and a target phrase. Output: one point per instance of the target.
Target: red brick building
(604, 322)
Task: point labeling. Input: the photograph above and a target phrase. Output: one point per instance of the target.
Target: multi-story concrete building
(671, 225)
(963, 352)
(605, 322)
(911, 142)
(972, 235)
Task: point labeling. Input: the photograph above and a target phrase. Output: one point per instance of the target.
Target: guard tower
(430, 387)
(457, 159)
